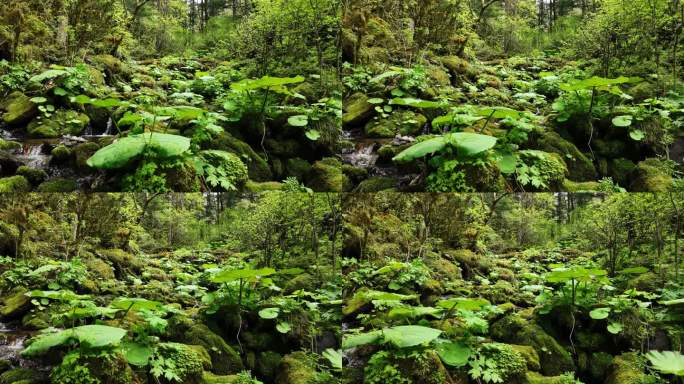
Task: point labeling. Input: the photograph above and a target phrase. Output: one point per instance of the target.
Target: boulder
(14, 184)
(400, 122)
(327, 176)
(580, 167)
(624, 369)
(58, 185)
(16, 304)
(652, 175)
(296, 368)
(257, 167)
(19, 109)
(357, 110)
(63, 122)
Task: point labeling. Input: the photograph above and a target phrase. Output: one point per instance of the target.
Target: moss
(14, 184)
(63, 122)
(188, 361)
(652, 175)
(302, 281)
(24, 375)
(121, 260)
(439, 76)
(61, 153)
(600, 363)
(285, 148)
(258, 341)
(58, 185)
(16, 304)
(255, 187)
(210, 378)
(296, 368)
(327, 176)
(554, 359)
(590, 341)
(224, 359)
(648, 282)
(580, 167)
(400, 122)
(8, 145)
(257, 167)
(376, 184)
(621, 170)
(99, 269)
(357, 110)
(297, 167)
(36, 320)
(33, 175)
(18, 109)
(82, 152)
(580, 186)
(626, 369)
(426, 368)
(536, 378)
(456, 65)
(5, 365)
(470, 260)
(267, 364)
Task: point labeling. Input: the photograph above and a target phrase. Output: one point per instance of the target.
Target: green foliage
(88, 336)
(126, 149)
(667, 362)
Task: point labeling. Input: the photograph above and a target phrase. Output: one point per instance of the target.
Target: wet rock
(357, 110)
(256, 187)
(529, 354)
(8, 163)
(267, 364)
(376, 184)
(400, 122)
(652, 175)
(58, 185)
(33, 175)
(61, 154)
(327, 176)
(297, 167)
(257, 167)
(60, 124)
(14, 184)
(9, 145)
(23, 376)
(16, 304)
(19, 109)
(82, 152)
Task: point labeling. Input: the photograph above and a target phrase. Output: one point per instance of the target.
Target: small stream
(12, 343)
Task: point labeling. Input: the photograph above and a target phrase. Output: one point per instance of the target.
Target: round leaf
(637, 134)
(404, 336)
(312, 134)
(614, 328)
(269, 313)
(454, 354)
(298, 121)
(622, 121)
(599, 313)
(283, 327)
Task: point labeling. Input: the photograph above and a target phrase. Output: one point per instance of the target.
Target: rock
(224, 359)
(580, 186)
(189, 360)
(296, 368)
(267, 364)
(357, 110)
(400, 122)
(5, 365)
(19, 109)
(297, 167)
(648, 282)
(376, 184)
(113, 67)
(286, 148)
(529, 354)
(652, 175)
(14, 184)
(122, 261)
(9, 145)
(302, 281)
(61, 154)
(580, 167)
(63, 122)
(599, 364)
(210, 378)
(255, 187)
(621, 170)
(439, 76)
(33, 175)
(625, 370)
(58, 185)
(257, 167)
(554, 359)
(23, 376)
(99, 269)
(456, 65)
(327, 176)
(8, 163)
(16, 304)
(536, 378)
(82, 152)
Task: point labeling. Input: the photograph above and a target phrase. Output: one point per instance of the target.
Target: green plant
(220, 169)
(87, 336)
(496, 363)
(668, 362)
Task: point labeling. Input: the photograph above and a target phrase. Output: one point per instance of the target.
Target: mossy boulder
(647, 282)
(304, 281)
(58, 185)
(626, 369)
(529, 354)
(580, 167)
(113, 68)
(99, 269)
(536, 378)
(61, 154)
(580, 186)
(5, 365)
(210, 378)
(16, 304)
(82, 152)
(19, 109)
(376, 184)
(620, 170)
(14, 184)
(296, 368)
(224, 359)
(297, 167)
(256, 187)
(599, 364)
(122, 261)
(23, 376)
(554, 359)
(267, 364)
(34, 175)
(439, 76)
(63, 122)
(652, 175)
(357, 110)
(327, 176)
(456, 65)
(36, 320)
(400, 122)
(9, 145)
(189, 361)
(257, 167)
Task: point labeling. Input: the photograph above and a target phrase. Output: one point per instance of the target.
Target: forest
(169, 95)
(170, 288)
(513, 95)
(513, 288)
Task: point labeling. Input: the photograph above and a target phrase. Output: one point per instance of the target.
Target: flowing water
(35, 154)
(11, 345)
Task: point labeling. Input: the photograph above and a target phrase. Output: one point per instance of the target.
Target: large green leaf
(421, 149)
(413, 312)
(93, 336)
(667, 362)
(404, 336)
(355, 340)
(599, 313)
(500, 112)
(416, 103)
(49, 74)
(136, 353)
(136, 304)
(470, 144)
(622, 121)
(454, 354)
(43, 343)
(269, 313)
(124, 150)
(334, 357)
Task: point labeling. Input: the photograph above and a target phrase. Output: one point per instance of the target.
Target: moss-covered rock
(456, 65)
(296, 368)
(626, 369)
(554, 359)
(400, 122)
(9, 145)
(536, 378)
(15, 304)
(23, 375)
(376, 184)
(327, 176)
(61, 154)
(267, 364)
(58, 185)
(357, 110)
(652, 175)
(529, 354)
(82, 152)
(285, 148)
(580, 186)
(63, 122)
(580, 167)
(439, 76)
(647, 282)
(36, 320)
(297, 167)
(5, 365)
(189, 361)
(99, 268)
(257, 167)
(14, 184)
(19, 109)
(224, 359)
(599, 364)
(620, 170)
(122, 261)
(210, 378)
(34, 175)
(255, 187)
